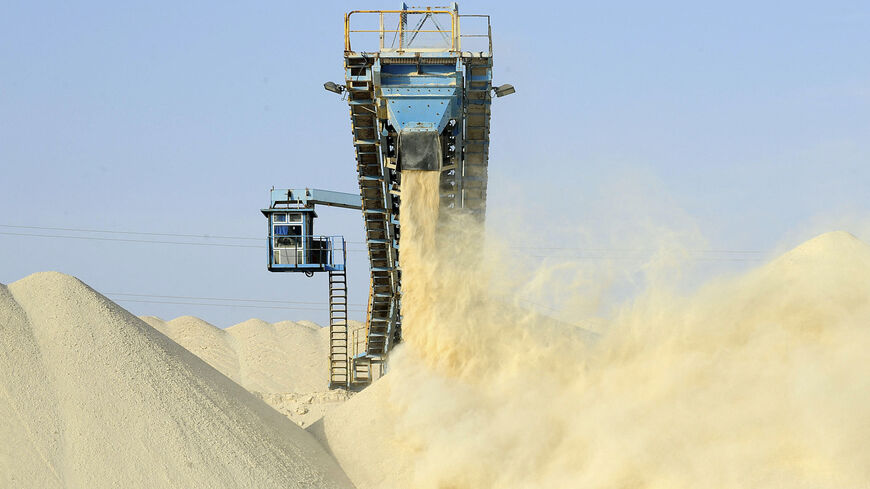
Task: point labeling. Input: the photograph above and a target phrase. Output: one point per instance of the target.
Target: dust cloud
(759, 380)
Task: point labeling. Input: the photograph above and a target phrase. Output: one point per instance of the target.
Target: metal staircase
(378, 185)
(478, 100)
(338, 335)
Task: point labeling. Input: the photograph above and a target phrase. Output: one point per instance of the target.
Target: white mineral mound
(281, 357)
(269, 358)
(92, 397)
(204, 340)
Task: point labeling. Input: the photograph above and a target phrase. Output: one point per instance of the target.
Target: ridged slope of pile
(269, 358)
(280, 357)
(204, 340)
(93, 397)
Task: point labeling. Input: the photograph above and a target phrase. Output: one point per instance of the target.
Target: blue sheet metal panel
(272, 210)
(315, 196)
(306, 268)
(411, 81)
(269, 212)
(409, 75)
(408, 109)
(428, 69)
(302, 267)
(336, 199)
(421, 97)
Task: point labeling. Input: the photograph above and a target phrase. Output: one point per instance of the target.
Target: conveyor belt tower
(419, 92)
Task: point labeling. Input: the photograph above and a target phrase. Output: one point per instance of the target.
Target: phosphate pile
(283, 363)
(751, 381)
(754, 381)
(92, 397)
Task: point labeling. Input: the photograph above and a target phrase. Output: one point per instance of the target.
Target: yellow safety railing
(401, 31)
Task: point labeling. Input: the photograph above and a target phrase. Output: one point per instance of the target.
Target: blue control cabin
(293, 245)
(294, 248)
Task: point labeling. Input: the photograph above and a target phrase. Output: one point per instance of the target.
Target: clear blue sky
(751, 118)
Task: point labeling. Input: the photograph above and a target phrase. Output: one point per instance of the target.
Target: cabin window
(279, 217)
(288, 236)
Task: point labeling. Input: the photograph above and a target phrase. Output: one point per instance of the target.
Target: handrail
(454, 26)
(335, 245)
(369, 313)
(488, 28)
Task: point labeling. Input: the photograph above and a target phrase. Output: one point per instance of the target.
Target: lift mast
(293, 247)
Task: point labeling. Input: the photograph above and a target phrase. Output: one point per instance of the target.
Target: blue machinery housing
(419, 100)
(292, 244)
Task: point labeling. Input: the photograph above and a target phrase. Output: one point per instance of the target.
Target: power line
(96, 238)
(140, 233)
(230, 305)
(547, 249)
(230, 245)
(225, 299)
(148, 241)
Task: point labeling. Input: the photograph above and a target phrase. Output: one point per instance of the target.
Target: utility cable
(141, 233)
(550, 250)
(96, 238)
(226, 299)
(127, 240)
(231, 305)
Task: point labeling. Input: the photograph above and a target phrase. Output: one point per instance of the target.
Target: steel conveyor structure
(418, 101)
